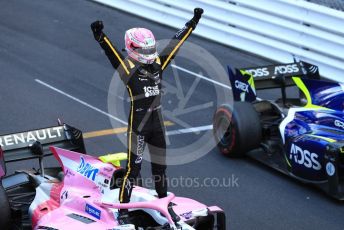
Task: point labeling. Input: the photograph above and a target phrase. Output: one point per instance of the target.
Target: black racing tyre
(237, 130)
(5, 217)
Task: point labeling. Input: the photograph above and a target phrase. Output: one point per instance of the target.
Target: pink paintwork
(2, 172)
(85, 191)
(159, 205)
(2, 164)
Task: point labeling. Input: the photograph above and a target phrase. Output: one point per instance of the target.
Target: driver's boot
(123, 217)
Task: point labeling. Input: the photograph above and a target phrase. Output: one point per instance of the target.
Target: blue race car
(302, 137)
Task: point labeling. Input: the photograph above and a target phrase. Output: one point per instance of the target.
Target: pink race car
(83, 193)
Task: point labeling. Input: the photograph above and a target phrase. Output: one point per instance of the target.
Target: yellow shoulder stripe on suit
(117, 55)
(176, 48)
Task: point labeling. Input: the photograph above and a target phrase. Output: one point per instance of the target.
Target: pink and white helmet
(140, 45)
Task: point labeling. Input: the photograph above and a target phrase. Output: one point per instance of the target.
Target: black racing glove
(197, 16)
(97, 29)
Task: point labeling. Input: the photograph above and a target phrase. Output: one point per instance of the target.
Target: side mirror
(2, 164)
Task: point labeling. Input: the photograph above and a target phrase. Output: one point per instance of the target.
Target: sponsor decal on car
(87, 170)
(313, 69)
(241, 86)
(275, 70)
(187, 215)
(283, 69)
(69, 173)
(125, 227)
(260, 72)
(339, 124)
(108, 169)
(64, 195)
(102, 185)
(330, 169)
(304, 157)
(31, 136)
(96, 213)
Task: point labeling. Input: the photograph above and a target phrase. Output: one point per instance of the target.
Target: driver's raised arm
(178, 39)
(114, 56)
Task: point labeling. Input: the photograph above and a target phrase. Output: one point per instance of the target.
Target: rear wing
(280, 75)
(16, 146)
(245, 82)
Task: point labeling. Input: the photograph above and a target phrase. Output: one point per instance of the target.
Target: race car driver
(141, 72)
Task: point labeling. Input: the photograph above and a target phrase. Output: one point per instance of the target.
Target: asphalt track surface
(51, 41)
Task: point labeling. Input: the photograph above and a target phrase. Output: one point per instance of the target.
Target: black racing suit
(145, 123)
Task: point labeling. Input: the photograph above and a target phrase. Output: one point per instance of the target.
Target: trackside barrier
(277, 30)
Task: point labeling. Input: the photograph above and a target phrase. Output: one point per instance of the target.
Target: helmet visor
(146, 51)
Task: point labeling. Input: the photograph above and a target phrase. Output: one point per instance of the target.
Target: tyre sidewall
(246, 131)
(226, 112)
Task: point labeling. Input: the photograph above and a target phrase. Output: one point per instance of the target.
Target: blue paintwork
(309, 130)
(240, 86)
(93, 211)
(326, 94)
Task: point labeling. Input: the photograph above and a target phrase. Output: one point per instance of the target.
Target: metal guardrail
(278, 30)
(334, 4)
